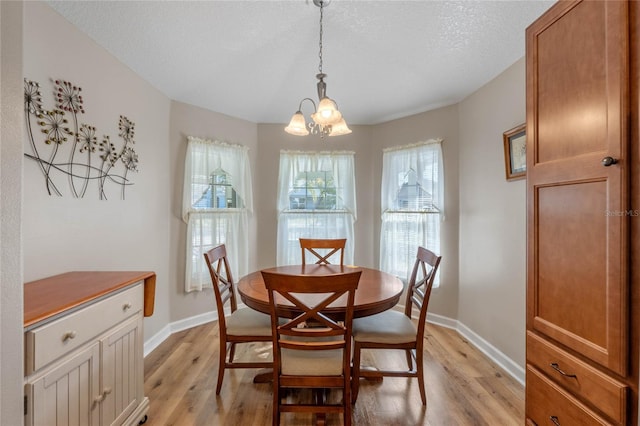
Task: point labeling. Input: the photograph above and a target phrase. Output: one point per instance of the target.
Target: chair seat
(247, 322)
(386, 327)
(311, 363)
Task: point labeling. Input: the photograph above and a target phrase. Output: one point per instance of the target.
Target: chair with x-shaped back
(243, 325)
(316, 357)
(327, 247)
(395, 330)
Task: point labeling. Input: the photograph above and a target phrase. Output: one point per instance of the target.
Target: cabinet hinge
(25, 404)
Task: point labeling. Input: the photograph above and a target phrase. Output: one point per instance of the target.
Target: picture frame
(515, 152)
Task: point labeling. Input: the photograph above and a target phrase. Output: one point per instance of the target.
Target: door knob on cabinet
(126, 306)
(98, 399)
(607, 161)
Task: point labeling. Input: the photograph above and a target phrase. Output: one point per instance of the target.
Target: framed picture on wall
(515, 152)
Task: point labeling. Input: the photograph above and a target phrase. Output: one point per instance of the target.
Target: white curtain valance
(206, 156)
(425, 159)
(413, 145)
(340, 163)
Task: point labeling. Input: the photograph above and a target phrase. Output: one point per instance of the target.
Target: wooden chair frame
(326, 334)
(418, 293)
(224, 291)
(310, 244)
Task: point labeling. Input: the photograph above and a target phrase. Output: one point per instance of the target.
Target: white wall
(492, 217)
(11, 96)
(63, 233)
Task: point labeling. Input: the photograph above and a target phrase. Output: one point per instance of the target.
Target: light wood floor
(463, 387)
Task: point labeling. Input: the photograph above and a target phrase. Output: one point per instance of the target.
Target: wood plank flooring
(463, 387)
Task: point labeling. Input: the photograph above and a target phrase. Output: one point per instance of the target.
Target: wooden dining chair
(316, 357)
(242, 325)
(328, 248)
(395, 330)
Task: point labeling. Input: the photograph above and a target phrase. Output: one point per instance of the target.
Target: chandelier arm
(310, 100)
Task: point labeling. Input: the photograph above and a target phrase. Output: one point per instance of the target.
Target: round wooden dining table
(377, 291)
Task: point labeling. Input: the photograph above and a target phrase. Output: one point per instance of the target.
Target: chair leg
(420, 372)
(232, 352)
(276, 403)
(409, 359)
(346, 404)
(355, 373)
(221, 364)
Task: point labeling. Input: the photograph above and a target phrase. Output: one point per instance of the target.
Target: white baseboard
(184, 324)
(493, 353)
(506, 363)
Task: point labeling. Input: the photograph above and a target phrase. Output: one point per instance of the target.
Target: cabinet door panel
(122, 371)
(577, 114)
(65, 395)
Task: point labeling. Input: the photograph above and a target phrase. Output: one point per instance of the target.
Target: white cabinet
(85, 367)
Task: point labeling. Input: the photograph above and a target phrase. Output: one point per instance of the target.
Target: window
(412, 205)
(217, 199)
(316, 199)
(219, 193)
(313, 191)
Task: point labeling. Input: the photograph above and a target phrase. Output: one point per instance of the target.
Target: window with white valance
(412, 197)
(217, 199)
(316, 199)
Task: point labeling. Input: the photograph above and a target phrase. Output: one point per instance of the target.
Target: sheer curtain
(334, 222)
(412, 198)
(210, 226)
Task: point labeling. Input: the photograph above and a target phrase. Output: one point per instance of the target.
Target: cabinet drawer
(549, 404)
(47, 343)
(582, 380)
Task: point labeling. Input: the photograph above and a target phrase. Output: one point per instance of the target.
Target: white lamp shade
(327, 112)
(297, 126)
(340, 128)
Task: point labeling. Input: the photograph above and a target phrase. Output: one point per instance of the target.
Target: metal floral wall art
(70, 149)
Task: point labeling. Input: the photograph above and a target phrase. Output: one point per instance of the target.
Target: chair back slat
(329, 247)
(420, 284)
(222, 280)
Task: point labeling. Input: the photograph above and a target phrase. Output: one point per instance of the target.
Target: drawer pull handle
(126, 306)
(556, 367)
(554, 420)
(68, 335)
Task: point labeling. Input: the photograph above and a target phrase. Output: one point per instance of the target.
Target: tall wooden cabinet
(583, 214)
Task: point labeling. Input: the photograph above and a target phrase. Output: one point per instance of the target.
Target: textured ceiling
(256, 60)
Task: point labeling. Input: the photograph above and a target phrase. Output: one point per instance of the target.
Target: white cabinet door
(69, 393)
(122, 372)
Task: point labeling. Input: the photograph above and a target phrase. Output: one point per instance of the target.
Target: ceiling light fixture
(326, 118)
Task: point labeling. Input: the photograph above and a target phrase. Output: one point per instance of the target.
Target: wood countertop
(48, 297)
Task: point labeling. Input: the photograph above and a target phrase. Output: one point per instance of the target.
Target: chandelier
(326, 118)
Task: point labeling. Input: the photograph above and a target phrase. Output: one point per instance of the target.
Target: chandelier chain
(320, 43)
